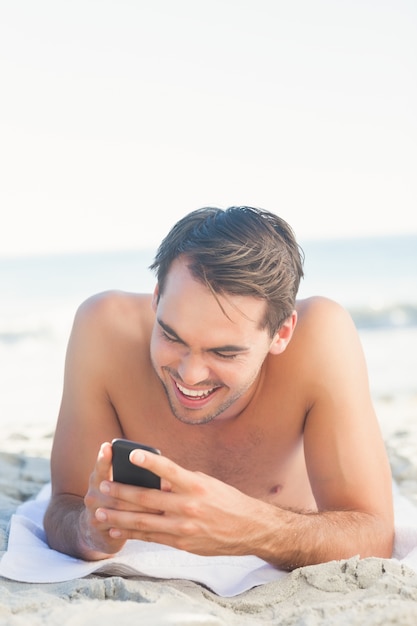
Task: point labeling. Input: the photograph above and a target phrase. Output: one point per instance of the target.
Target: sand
(352, 592)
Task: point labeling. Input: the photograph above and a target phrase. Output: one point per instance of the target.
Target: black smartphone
(125, 472)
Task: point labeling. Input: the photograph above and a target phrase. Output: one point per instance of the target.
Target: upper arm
(345, 454)
(86, 416)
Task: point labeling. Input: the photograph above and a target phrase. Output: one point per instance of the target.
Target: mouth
(194, 397)
(195, 393)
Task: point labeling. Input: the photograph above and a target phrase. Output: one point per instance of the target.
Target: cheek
(162, 352)
(156, 350)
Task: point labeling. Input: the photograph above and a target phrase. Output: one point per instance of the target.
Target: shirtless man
(260, 406)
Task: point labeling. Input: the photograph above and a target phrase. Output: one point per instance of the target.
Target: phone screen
(125, 472)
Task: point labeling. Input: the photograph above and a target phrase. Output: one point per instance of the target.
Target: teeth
(194, 393)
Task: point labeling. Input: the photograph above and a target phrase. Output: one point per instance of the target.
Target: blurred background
(117, 118)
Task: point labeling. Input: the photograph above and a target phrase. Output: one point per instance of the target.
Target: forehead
(185, 298)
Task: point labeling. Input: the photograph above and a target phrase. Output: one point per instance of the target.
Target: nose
(193, 370)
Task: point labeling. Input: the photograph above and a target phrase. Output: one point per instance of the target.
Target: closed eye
(224, 355)
(225, 352)
(221, 355)
(170, 338)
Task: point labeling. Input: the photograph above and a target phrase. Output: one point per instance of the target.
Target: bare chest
(260, 452)
(265, 463)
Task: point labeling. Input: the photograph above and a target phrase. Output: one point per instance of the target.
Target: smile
(195, 393)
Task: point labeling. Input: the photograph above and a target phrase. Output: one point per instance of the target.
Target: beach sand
(355, 592)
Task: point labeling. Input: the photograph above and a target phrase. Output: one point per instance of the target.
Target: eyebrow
(226, 348)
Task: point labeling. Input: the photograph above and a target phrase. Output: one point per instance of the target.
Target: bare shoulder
(324, 319)
(319, 308)
(326, 347)
(326, 339)
(117, 310)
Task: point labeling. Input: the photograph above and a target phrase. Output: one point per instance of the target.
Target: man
(260, 406)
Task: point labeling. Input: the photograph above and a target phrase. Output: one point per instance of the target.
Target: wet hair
(238, 251)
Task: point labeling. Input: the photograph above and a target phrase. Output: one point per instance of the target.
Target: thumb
(104, 461)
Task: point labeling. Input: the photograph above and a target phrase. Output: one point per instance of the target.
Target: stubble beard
(206, 419)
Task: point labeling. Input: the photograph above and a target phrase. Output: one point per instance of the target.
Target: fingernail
(115, 533)
(101, 515)
(137, 456)
(105, 487)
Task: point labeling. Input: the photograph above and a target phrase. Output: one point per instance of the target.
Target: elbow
(382, 536)
(49, 525)
(386, 542)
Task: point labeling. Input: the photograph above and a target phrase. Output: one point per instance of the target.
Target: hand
(94, 529)
(192, 511)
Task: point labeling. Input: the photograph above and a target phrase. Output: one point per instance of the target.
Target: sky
(117, 117)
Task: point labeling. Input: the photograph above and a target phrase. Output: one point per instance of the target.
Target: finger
(132, 525)
(104, 460)
(130, 497)
(100, 473)
(175, 477)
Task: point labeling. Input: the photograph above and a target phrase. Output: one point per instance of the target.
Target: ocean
(374, 278)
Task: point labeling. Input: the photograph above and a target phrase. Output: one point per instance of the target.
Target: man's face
(208, 360)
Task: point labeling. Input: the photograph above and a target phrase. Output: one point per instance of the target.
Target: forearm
(67, 531)
(301, 539)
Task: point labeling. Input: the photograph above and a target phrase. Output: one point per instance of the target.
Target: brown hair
(239, 251)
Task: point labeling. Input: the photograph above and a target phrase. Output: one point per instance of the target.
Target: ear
(155, 298)
(284, 334)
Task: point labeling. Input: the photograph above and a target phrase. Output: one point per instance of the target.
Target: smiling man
(259, 403)
(214, 378)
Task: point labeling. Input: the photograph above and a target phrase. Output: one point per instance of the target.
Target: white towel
(29, 559)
